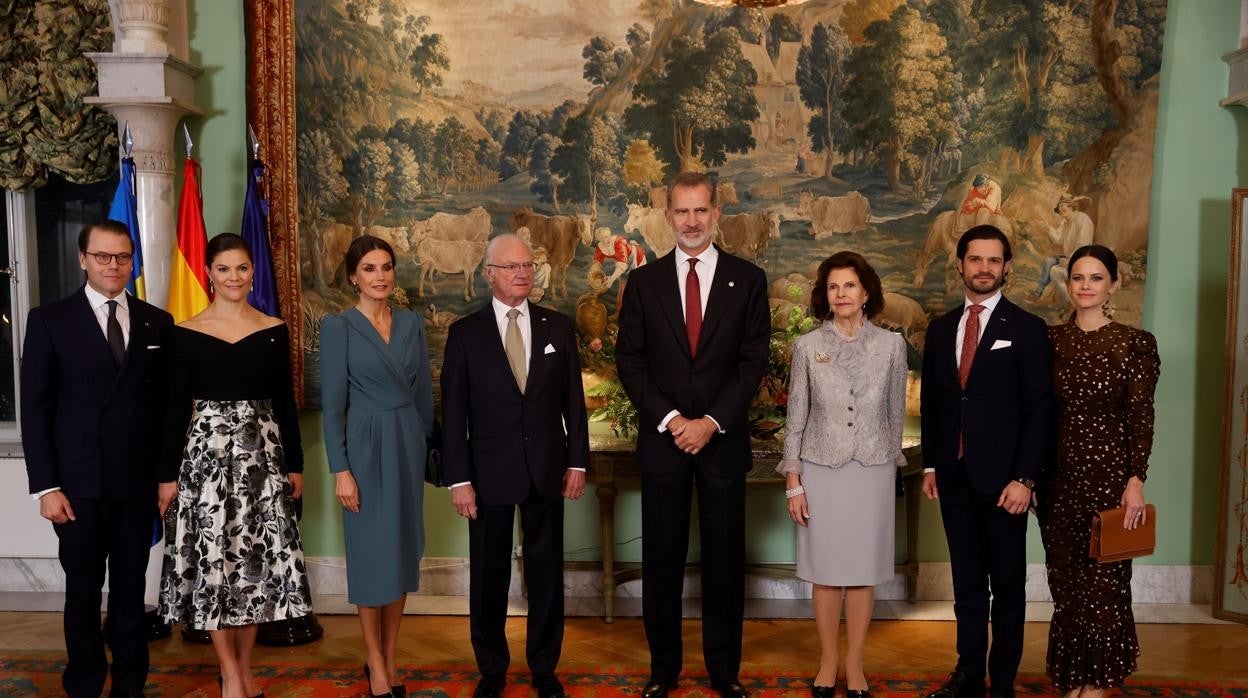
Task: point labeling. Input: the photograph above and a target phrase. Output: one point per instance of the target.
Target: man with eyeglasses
(515, 434)
(92, 384)
(692, 350)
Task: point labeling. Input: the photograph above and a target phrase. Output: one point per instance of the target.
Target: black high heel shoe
(850, 693)
(368, 679)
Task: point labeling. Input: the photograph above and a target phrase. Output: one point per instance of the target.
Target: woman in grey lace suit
(847, 399)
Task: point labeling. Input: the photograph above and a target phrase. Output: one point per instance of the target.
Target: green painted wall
(1197, 163)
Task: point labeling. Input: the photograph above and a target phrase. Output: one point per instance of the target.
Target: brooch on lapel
(731, 284)
(822, 358)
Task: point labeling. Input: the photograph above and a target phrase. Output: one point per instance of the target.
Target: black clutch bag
(433, 456)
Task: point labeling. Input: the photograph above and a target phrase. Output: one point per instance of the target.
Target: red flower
(782, 398)
(595, 344)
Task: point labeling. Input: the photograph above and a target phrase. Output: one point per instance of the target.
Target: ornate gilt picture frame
(1230, 594)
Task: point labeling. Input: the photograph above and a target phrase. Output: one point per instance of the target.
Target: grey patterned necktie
(515, 348)
(116, 340)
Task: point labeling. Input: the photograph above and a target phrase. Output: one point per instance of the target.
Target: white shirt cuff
(579, 470)
(717, 427)
(458, 484)
(928, 470)
(670, 416)
(39, 495)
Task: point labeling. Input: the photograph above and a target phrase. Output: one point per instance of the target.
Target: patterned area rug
(38, 674)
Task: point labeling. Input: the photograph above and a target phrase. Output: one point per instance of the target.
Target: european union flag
(125, 209)
(255, 231)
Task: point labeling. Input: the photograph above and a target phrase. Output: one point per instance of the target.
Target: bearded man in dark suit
(691, 352)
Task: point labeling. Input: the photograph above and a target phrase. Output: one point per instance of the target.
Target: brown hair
(692, 179)
(105, 226)
(819, 308)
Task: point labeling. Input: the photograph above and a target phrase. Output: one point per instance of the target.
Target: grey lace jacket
(847, 398)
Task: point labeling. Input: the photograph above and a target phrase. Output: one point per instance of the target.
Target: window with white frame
(38, 264)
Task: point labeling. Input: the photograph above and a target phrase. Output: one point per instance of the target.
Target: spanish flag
(188, 280)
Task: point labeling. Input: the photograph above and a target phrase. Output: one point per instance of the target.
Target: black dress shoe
(822, 691)
(959, 685)
(1001, 692)
(548, 686)
(490, 686)
(730, 689)
(657, 688)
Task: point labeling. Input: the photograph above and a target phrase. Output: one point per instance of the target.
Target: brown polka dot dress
(1103, 382)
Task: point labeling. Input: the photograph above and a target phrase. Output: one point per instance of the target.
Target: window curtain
(44, 76)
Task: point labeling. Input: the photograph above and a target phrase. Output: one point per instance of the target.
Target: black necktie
(116, 341)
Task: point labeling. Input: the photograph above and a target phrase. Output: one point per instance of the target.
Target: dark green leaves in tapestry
(697, 103)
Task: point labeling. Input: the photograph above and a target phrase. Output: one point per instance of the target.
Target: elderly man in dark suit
(986, 401)
(92, 377)
(515, 434)
(692, 349)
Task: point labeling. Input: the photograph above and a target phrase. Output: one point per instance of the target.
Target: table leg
(914, 492)
(606, 514)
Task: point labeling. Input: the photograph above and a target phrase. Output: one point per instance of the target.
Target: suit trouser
(115, 534)
(987, 550)
(489, 549)
(665, 514)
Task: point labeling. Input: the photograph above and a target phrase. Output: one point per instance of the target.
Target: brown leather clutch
(1111, 542)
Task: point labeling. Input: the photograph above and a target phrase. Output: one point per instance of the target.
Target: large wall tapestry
(882, 126)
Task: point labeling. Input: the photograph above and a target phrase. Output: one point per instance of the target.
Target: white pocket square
(1001, 344)
(153, 346)
(550, 349)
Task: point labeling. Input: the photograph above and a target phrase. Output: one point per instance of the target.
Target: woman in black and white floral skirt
(231, 468)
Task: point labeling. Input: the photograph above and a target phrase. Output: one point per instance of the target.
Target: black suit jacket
(498, 438)
(660, 374)
(1005, 411)
(89, 426)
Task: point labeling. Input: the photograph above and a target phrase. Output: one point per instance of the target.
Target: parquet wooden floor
(1190, 652)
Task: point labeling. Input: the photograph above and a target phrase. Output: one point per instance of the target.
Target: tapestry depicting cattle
(883, 126)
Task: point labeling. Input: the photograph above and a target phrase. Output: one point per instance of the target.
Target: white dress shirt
(705, 269)
(99, 305)
(990, 304)
(524, 321)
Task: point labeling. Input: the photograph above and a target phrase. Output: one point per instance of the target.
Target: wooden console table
(612, 460)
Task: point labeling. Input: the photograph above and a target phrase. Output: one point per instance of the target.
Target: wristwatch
(1029, 484)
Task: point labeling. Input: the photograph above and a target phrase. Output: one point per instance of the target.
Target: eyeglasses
(513, 268)
(104, 258)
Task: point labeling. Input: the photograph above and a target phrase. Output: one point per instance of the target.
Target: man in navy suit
(986, 401)
(515, 434)
(692, 350)
(93, 374)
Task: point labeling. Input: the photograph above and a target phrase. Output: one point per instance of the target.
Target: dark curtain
(44, 76)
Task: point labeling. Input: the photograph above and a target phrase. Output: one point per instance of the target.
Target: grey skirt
(848, 541)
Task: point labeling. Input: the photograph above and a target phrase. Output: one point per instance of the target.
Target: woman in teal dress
(377, 397)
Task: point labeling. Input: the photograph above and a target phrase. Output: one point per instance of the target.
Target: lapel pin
(731, 284)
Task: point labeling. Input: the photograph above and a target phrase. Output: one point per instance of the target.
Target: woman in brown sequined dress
(1104, 374)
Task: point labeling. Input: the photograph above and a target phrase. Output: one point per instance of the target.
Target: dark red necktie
(693, 307)
(970, 342)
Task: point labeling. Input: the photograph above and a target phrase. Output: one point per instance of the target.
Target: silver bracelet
(790, 494)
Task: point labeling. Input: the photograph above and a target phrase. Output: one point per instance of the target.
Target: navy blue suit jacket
(89, 426)
(498, 438)
(660, 373)
(1005, 412)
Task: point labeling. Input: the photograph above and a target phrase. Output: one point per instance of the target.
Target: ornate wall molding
(270, 28)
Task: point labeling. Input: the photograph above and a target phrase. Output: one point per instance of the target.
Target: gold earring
(1107, 309)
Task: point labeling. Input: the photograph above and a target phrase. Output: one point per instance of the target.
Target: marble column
(146, 86)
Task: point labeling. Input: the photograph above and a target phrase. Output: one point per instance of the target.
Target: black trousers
(988, 553)
(112, 534)
(665, 515)
(489, 568)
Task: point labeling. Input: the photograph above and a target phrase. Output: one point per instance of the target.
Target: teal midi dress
(377, 399)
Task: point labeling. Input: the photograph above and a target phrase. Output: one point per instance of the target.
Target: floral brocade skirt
(232, 550)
